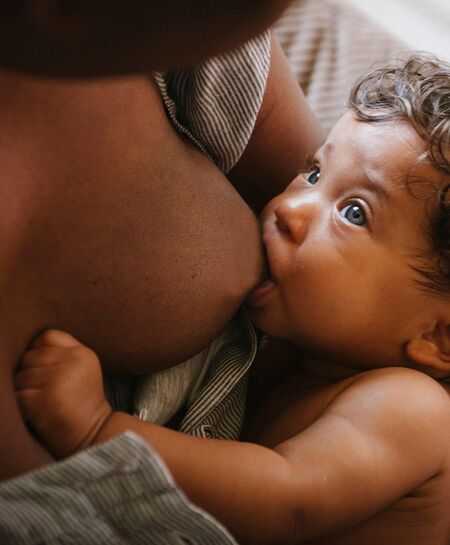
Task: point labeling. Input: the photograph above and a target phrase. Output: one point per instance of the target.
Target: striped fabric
(218, 410)
(121, 493)
(216, 407)
(115, 494)
(216, 103)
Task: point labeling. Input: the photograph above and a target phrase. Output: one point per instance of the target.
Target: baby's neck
(314, 366)
(289, 357)
(280, 360)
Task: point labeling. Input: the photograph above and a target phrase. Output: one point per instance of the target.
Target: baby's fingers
(42, 357)
(32, 379)
(56, 338)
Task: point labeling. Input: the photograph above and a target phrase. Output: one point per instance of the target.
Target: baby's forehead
(391, 149)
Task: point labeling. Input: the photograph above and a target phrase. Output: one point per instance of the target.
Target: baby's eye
(354, 213)
(313, 176)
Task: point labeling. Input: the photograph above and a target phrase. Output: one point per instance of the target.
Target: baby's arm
(378, 440)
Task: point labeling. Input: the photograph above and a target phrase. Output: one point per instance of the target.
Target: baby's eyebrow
(325, 149)
(374, 183)
(367, 180)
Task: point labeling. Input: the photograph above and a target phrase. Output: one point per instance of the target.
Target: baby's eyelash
(310, 164)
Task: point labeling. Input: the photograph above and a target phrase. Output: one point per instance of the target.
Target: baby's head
(359, 246)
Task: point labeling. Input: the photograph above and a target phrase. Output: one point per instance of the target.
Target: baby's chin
(263, 319)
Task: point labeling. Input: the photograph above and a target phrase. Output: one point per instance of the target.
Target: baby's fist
(59, 388)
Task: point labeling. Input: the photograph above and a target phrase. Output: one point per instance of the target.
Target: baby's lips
(258, 295)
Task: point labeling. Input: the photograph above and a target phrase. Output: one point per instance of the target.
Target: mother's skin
(117, 230)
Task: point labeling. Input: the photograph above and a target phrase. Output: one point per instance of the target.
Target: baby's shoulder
(400, 395)
(400, 381)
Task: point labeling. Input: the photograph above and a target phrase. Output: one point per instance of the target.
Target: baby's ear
(432, 348)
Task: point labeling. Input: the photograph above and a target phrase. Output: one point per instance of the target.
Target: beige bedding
(329, 44)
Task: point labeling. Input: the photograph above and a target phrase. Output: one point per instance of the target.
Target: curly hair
(417, 91)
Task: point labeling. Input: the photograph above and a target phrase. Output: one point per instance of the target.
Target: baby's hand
(59, 389)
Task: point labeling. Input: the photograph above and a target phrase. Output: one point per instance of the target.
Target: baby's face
(341, 244)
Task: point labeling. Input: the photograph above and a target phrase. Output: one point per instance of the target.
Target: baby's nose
(293, 217)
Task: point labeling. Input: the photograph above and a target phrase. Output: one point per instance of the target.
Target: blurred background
(422, 24)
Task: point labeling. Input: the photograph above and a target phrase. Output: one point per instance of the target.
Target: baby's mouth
(270, 236)
(267, 272)
(258, 295)
(266, 267)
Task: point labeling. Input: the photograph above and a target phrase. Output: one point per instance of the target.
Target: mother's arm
(286, 134)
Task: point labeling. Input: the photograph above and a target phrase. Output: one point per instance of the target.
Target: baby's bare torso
(422, 517)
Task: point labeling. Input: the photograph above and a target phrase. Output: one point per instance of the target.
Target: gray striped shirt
(116, 494)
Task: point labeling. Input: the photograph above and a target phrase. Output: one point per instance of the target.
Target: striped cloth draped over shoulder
(215, 104)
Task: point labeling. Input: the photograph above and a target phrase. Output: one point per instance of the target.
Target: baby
(347, 438)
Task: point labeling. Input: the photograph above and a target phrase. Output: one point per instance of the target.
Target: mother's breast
(139, 245)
